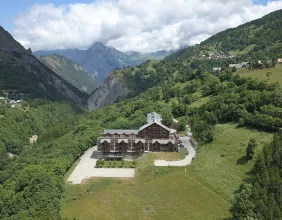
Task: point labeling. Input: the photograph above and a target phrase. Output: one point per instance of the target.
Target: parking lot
(86, 169)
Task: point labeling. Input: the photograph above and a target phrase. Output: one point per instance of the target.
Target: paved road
(86, 169)
(185, 162)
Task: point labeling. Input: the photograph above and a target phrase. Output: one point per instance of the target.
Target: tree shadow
(242, 161)
(94, 155)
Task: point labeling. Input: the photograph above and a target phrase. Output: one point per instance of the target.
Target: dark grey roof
(119, 131)
(157, 122)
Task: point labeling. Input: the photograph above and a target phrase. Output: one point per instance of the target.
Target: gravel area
(86, 169)
(185, 162)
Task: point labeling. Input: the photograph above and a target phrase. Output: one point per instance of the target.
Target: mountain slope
(71, 72)
(256, 39)
(21, 72)
(99, 59)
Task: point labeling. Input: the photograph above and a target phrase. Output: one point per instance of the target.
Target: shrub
(134, 162)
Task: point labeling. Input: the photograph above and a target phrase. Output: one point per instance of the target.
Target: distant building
(153, 136)
(279, 60)
(239, 65)
(216, 69)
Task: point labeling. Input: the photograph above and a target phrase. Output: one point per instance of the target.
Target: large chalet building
(153, 136)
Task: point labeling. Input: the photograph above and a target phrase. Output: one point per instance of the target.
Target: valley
(234, 114)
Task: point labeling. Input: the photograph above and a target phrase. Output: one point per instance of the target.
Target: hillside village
(12, 103)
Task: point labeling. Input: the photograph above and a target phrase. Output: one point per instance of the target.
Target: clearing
(261, 74)
(203, 190)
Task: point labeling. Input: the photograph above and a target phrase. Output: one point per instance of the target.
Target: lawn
(155, 193)
(261, 74)
(170, 156)
(203, 190)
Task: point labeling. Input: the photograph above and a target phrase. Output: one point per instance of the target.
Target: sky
(139, 25)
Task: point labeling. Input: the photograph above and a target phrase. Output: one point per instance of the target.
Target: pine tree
(250, 151)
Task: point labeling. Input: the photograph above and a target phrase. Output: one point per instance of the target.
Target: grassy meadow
(261, 74)
(203, 190)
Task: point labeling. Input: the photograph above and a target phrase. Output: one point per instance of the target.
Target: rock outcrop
(111, 91)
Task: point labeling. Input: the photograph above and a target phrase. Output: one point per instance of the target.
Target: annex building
(153, 136)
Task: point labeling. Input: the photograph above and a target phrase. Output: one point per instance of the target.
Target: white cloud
(146, 25)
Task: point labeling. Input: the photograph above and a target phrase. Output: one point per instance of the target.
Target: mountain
(71, 72)
(254, 39)
(22, 73)
(99, 59)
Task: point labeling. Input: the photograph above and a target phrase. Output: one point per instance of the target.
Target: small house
(216, 69)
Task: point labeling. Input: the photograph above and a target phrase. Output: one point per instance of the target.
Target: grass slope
(261, 74)
(221, 165)
(203, 191)
(155, 193)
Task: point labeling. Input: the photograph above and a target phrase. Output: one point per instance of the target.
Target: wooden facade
(153, 136)
(154, 131)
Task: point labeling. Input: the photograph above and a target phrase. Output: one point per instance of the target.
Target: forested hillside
(21, 73)
(258, 39)
(261, 198)
(71, 72)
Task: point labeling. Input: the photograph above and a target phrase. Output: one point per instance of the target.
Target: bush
(134, 162)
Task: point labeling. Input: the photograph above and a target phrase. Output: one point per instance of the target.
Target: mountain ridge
(253, 39)
(99, 60)
(204, 56)
(71, 72)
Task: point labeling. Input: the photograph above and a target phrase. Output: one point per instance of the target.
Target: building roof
(119, 131)
(149, 124)
(139, 140)
(163, 141)
(123, 140)
(151, 117)
(103, 140)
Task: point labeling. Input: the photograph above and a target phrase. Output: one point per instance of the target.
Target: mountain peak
(8, 43)
(98, 45)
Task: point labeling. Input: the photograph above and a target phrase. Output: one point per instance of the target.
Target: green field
(203, 190)
(261, 74)
(221, 165)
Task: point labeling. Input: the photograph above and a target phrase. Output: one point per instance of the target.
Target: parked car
(181, 145)
(180, 141)
(187, 152)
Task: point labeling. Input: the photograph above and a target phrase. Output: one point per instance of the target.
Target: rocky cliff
(111, 91)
